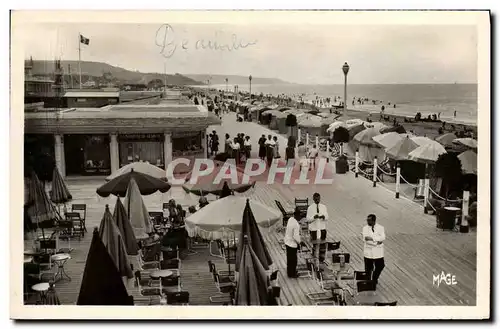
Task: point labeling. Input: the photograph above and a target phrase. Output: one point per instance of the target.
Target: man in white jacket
(292, 243)
(373, 237)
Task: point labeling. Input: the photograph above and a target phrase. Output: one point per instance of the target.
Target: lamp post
(345, 69)
(250, 79)
(226, 85)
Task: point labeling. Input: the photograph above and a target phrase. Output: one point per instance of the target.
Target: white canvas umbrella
(388, 140)
(469, 162)
(335, 125)
(469, 142)
(142, 167)
(427, 153)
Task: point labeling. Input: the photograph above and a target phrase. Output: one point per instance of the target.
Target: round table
(28, 259)
(60, 260)
(41, 289)
(161, 274)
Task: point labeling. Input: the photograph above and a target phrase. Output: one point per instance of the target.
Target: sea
(428, 99)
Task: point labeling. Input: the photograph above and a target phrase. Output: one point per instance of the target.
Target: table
(33, 253)
(368, 298)
(60, 260)
(28, 259)
(41, 289)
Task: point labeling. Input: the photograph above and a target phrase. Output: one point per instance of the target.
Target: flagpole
(165, 77)
(80, 58)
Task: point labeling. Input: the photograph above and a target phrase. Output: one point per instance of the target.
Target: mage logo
(446, 278)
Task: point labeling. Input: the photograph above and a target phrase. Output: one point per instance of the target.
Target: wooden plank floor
(414, 250)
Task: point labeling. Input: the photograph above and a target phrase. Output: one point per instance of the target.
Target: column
(59, 153)
(167, 149)
(63, 158)
(113, 153)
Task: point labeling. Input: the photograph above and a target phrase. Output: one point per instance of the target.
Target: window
(186, 143)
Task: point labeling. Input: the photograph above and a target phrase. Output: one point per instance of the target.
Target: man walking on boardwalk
(373, 236)
(317, 215)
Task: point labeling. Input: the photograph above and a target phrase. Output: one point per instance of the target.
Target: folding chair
(77, 223)
(286, 214)
(146, 292)
(82, 209)
(178, 298)
(66, 232)
(302, 204)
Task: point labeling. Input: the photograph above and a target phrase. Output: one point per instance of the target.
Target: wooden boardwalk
(414, 249)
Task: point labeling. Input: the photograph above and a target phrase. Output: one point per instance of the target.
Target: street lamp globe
(345, 68)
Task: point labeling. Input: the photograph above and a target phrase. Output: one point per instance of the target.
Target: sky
(307, 54)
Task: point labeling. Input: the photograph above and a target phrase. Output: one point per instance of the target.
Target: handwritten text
(168, 44)
(446, 278)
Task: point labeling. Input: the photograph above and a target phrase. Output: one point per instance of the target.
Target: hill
(218, 79)
(98, 71)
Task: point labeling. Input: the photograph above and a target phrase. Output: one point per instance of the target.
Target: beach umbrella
(375, 125)
(123, 223)
(251, 288)
(39, 207)
(333, 126)
(469, 142)
(427, 153)
(398, 129)
(221, 219)
(51, 297)
(198, 183)
(446, 139)
(289, 172)
(251, 231)
(422, 140)
(271, 112)
(102, 283)
(387, 140)
(147, 184)
(140, 167)
(469, 162)
(365, 137)
(113, 241)
(59, 193)
(136, 210)
(401, 149)
(355, 129)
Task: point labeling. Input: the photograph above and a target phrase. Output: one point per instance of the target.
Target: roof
(104, 94)
(122, 119)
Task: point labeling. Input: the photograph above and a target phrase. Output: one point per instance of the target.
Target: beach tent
(333, 126)
(275, 117)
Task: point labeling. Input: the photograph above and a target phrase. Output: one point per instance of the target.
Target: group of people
(373, 235)
(269, 148)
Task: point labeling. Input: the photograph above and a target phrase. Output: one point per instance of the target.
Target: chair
(172, 264)
(225, 276)
(77, 221)
(170, 254)
(394, 303)
(225, 289)
(274, 276)
(178, 298)
(149, 257)
(66, 231)
(360, 276)
(146, 292)
(302, 204)
(286, 214)
(366, 286)
(323, 294)
(171, 284)
(82, 209)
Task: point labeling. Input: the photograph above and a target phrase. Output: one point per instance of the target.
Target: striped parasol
(59, 193)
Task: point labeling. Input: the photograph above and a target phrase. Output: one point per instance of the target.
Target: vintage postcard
(330, 164)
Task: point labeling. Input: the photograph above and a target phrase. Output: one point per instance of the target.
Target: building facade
(98, 141)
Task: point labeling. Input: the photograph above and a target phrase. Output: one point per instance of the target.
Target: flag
(84, 40)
